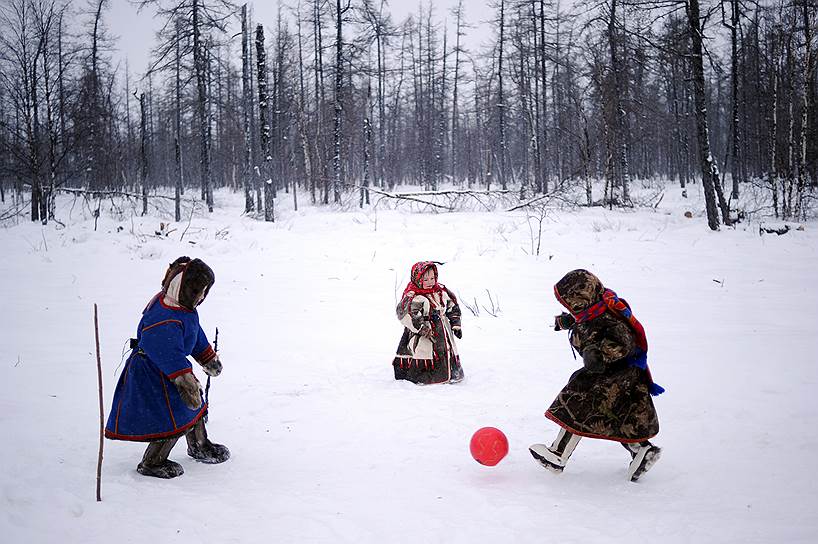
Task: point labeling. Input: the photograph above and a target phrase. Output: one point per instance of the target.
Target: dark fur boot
(155, 462)
(202, 449)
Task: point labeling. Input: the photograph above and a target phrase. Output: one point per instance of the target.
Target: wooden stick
(101, 416)
(207, 387)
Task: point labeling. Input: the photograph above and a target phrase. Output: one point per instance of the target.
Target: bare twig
(529, 202)
(474, 309)
(189, 219)
(539, 218)
(495, 307)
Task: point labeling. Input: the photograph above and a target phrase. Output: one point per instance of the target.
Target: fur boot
(202, 449)
(155, 462)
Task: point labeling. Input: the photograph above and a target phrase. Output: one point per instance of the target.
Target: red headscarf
(415, 284)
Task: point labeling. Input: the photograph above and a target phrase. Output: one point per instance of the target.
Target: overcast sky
(136, 29)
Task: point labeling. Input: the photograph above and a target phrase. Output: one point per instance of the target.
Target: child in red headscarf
(431, 318)
(610, 396)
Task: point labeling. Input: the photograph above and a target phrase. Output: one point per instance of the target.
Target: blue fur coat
(147, 406)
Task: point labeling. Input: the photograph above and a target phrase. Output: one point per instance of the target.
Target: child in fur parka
(610, 397)
(430, 315)
(158, 399)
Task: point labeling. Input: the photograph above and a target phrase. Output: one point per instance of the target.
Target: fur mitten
(188, 387)
(213, 367)
(563, 322)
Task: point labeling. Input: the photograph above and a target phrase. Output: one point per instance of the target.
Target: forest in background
(336, 98)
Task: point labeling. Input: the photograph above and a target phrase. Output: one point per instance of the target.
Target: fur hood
(578, 290)
(186, 280)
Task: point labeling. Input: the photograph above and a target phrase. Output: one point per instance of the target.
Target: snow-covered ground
(328, 447)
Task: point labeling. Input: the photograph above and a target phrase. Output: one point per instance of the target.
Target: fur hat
(578, 290)
(186, 280)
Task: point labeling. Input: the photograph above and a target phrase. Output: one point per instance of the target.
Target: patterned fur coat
(609, 397)
(427, 352)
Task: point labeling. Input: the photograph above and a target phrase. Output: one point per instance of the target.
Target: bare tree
(264, 125)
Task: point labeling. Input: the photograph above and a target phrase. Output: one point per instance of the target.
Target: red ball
(488, 446)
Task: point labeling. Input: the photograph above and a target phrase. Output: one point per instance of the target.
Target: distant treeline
(335, 96)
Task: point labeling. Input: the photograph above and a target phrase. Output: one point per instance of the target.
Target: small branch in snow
(474, 309)
(770, 230)
(189, 219)
(547, 197)
(495, 306)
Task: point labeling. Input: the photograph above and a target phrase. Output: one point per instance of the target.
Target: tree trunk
(544, 84)
(177, 200)
(144, 152)
(620, 115)
(735, 164)
(710, 173)
(339, 82)
(247, 112)
(200, 67)
(806, 107)
(501, 106)
(455, 136)
(264, 125)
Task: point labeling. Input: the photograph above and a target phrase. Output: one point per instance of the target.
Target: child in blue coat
(158, 398)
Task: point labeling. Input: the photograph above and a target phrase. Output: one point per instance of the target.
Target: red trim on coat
(167, 400)
(571, 430)
(158, 436)
(179, 373)
(119, 406)
(206, 355)
(162, 323)
(169, 307)
(399, 360)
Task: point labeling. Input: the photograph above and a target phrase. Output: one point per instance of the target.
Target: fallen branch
(402, 196)
(531, 201)
(14, 212)
(769, 230)
(110, 193)
(456, 192)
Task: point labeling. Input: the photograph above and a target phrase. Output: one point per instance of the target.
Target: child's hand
(213, 367)
(458, 332)
(425, 330)
(563, 321)
(188, 387)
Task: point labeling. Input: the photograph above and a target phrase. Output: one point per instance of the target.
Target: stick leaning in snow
(101, 412)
